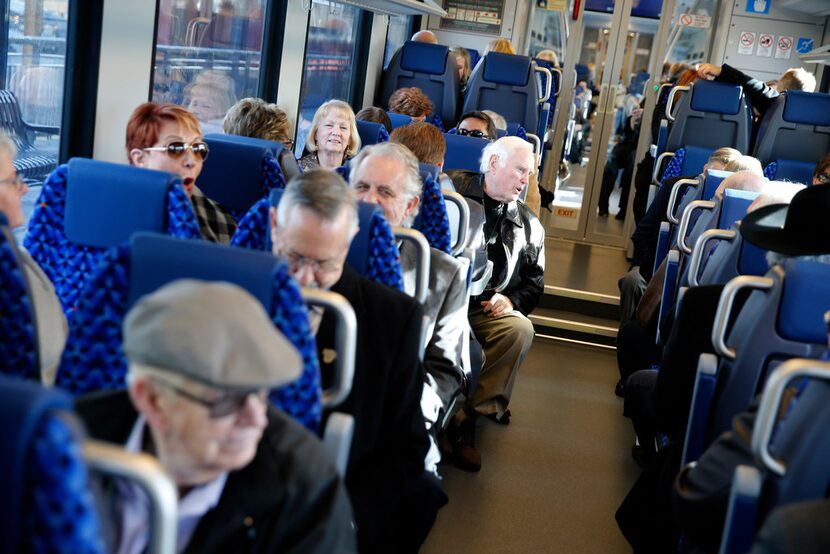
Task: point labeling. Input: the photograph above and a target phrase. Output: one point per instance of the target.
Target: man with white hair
(515, 242)
(202, 358)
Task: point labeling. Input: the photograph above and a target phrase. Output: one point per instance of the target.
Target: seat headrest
(752, 260)
(428, 170)
(694, 160)
(232, 174)
(795, 171)
(423, 57)
(506, 69)
(734, 205)
(107, 202)
(371, 132)
(804, 300)
(714, 177)
(398, 119)
(156, 260)
(358, 256)
(715, 97)
(463, 152)
(811, 108)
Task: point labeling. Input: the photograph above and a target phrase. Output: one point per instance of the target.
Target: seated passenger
(202, 357)
(821, 175)
(167, 137)
(501, 45)
(515, 242)
(49, 317)
(332, 138)
(395, 500)
(548, 56)
(375, 115)
(463, 61)
(476, 124)
(498, 120)
(411, 101)
(425, 36)
(424, 140)
(387, 175)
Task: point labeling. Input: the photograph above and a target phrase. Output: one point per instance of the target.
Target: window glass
(548, 32)
(690, 44)
(208, 55)
(396, 34)
(34, 73)
(328, 71)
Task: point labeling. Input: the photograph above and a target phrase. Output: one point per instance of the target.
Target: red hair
(147, 119)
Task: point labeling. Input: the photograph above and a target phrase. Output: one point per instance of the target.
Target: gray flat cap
(213, 332)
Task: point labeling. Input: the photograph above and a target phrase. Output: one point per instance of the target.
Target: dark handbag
(648, 309)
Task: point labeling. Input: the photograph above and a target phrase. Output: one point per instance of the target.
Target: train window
(33, 70)
(399, 30)
(329, 63)
(208, 55)
(690, 44)
(548, 33)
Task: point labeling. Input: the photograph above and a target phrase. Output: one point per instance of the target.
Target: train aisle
(551, 480)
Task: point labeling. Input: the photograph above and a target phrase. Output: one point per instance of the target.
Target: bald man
(425, 36)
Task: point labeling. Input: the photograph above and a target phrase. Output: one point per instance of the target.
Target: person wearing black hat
(202, 357)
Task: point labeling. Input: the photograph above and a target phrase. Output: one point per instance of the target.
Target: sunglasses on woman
(177, 149)
(474, 133)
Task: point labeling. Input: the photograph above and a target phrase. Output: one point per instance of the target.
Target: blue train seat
(86, 207)
(373, 253)
(474, 57)
(781, 319)
(47, 503)
(790, 170)
(371, 132)
(506, 84)
(240, 171)
(795, 127)
(18, 332)
(432, 219)
(431, 68)
(398, 119)
(463, 152)
(94, 359)
(711, 115)
(732, 256)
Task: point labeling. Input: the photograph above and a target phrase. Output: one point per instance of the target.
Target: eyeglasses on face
(227, 403)
(297, 261)
(823, 178)
(472, 133)
(18, 182)
(177, 149)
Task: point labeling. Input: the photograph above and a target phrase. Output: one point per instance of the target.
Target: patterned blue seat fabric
(432, 219)
(94, 358)
(87, 206)
(240, 171)
(379, 256)
(47, 505)
(18, 333)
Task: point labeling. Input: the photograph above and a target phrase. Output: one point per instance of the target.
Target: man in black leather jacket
(515, 243)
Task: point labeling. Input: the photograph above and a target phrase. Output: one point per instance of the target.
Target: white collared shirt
(134, 505)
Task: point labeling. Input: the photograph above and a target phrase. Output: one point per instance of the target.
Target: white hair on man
(502, 149)
(775, 192)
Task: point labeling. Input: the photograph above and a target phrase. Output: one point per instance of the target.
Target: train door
(607, 55)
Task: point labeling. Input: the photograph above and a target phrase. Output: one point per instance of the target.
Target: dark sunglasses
(177, 149)
(474, 133)
(228, 403)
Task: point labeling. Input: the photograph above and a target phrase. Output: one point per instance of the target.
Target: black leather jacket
(520, 273)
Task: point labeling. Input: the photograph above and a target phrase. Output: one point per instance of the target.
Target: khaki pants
(533, 200)
(506, 341)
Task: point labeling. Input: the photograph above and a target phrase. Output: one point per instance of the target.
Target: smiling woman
(333, 137)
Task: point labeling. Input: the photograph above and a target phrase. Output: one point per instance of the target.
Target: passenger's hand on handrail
(497, 306)
(708, 71)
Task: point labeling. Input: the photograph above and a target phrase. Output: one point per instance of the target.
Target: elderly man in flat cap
(202, 357)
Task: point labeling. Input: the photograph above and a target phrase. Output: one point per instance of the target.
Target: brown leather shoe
(465, 455)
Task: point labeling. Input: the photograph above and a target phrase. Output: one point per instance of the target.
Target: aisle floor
(551, 480)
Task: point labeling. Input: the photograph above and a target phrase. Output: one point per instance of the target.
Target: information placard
(480, 16)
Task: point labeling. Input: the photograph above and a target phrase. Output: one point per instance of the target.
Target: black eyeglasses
(823, 178)
(474, 133)
(227, 403)
(177, 149)
(18, 182)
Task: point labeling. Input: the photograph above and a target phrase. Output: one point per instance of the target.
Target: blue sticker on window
(757, 6)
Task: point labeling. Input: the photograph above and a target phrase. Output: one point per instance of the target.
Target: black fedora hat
(800, 228)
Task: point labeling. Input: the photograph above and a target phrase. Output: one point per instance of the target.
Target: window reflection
(208, 55)
(397, 33)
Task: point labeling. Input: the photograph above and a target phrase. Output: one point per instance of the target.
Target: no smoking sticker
(784, 47)
(765, 42)
(746, 44)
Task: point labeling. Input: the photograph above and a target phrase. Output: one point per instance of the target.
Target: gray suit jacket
(446, 309)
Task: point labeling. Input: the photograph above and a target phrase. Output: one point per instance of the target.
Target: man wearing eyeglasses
(395, 500)
(202, 357)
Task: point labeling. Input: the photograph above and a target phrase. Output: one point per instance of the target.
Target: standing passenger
(333, 137)
(167, 137)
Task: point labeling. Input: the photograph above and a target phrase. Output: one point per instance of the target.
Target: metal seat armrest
(464, 220)
(548, 84)
(477, 287)
(696, 260)
(345, 342)
(671, 217)
(662, 245)
(670, 101)
(422, 250)
(669, 289)
(704, 390)
(742, 511)
(537, 147)
(657, 163)
(337, 439)
(145, 470)
(724, 310)
(683, 229)
(770, 406)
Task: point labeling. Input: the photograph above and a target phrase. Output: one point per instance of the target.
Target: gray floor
(584, 266)
(551, 480)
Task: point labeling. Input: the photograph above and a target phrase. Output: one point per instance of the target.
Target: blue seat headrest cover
(752, 260)
(463, 152)
(811, 108)
(804, 300)
(156, 260)
(358, 256)
(696, 158)
(734, 205)
(398, 119)
(506, 69)
(428, 170)
(232, 174)
(423, 57)
(714, 177)
(795, 171)
(369, 131)
(106, 202)
(715, 97)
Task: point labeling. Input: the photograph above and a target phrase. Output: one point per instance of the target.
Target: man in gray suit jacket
(387, 174)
